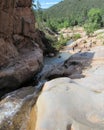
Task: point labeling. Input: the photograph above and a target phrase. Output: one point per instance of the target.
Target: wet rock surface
(15, 108)
(72, 67)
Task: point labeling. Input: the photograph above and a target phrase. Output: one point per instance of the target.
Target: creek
(16, 106)
(51, 62)
(60, 57)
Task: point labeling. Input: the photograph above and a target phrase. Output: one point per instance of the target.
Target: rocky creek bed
(69, 95)
(74, 101)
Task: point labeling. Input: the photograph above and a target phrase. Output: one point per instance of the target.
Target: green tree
(33, 4)
(39, 15)
(95, 15)
(94, 21)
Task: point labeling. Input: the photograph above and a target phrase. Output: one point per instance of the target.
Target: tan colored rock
(85, 43)
(64, 102)
(77, 103)
(15, 109)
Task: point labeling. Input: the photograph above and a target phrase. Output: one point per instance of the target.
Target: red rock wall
(17, 27)
(16, 17)
(6, 18)
(20, 56)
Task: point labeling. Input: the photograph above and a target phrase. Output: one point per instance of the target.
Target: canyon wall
(20, 54)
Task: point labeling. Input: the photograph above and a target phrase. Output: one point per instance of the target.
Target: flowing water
(60, 57)
(49, 63)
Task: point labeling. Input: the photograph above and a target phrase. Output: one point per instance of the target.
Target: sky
(48, 3)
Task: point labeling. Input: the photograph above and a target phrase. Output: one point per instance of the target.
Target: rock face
(16, 18)
(15, 109)
(64, 103)
(74, 104)
(20, 55)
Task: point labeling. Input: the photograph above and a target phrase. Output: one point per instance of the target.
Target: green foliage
(38, 12)
(55, 24)
(95, 15)
(74, 12)
(91, 27)
(52, 25)
(61, 42)
(76, 36)
(94, 21)
(69, 13)
(33, 4)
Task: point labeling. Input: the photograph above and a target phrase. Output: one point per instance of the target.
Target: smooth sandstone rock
(15, 109)
(74, 104)
(64, 102)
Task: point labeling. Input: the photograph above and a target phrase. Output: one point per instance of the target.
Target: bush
(62, 42)
(94, 21)
(95, 15)
(76, 36)
(91, 27)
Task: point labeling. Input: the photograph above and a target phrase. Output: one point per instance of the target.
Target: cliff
(20, 55)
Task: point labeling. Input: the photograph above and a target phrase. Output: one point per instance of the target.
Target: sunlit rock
(15, 109)
(74, 104)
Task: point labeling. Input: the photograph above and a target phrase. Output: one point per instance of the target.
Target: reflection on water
(69, 42)
(62, 56)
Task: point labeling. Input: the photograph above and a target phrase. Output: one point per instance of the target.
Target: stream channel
(60, 57)
(50, 62)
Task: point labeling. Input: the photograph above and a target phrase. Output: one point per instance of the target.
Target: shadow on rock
(72, 67)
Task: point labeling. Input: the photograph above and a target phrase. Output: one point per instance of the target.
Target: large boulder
(15, 109)
(65, 102)
(7, 51)
(20, 71)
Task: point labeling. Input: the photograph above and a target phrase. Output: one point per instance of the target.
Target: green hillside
(74, 8)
